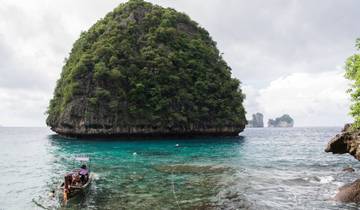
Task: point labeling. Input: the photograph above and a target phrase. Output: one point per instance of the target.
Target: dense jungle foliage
(147, 65)
(352, 69)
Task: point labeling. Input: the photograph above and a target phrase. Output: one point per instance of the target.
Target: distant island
(257, 121)
(144, 70)
(284, 121)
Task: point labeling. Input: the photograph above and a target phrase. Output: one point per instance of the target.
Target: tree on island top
(352, 68)
(145, 69)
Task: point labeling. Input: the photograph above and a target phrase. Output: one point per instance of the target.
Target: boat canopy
(82, 158)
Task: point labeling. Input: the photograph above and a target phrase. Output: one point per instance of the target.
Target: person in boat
(76, 179)
(68, 182)
(84, 174)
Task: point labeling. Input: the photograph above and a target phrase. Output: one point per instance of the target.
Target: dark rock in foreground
(348, 169)
(349, 193)
(347, 141)
(146, 71)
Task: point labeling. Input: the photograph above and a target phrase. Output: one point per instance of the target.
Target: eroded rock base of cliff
(103, 134)
(348, 141)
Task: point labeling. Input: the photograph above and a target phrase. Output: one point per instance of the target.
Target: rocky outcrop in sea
(348, 141)
(284, 121)
(257, 121)
(143, 71)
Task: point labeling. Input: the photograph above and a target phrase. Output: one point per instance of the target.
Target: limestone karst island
(144, 70)
(257, 121)
(284, 121)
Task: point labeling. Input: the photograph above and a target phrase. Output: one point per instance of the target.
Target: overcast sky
(289, 54)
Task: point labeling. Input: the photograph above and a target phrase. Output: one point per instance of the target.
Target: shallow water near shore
(261, 169)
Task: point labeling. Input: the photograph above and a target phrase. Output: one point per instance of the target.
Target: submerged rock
(144, 70)
(231, 198)
(348, 169)
(193, 169)
(349, 193)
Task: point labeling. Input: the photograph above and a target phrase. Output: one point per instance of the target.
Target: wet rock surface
(349, 192)
(348, 169)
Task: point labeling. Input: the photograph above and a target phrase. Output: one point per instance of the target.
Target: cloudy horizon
(288, 54)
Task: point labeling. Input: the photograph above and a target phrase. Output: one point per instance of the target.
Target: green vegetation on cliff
(144, 65)
(352, 68)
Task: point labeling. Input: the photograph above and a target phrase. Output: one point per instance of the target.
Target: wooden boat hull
(75, 190)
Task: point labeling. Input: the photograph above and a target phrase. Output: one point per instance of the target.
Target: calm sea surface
(261, 169)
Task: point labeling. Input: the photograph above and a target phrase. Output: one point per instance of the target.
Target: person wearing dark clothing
(84, 174)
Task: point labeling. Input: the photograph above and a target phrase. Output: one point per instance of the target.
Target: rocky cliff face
(144, 70)
(347, 141)
(257, 121)
(284, 121)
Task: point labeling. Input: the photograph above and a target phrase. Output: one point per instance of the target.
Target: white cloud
(22, 107)
(315, 99)
(250, 103)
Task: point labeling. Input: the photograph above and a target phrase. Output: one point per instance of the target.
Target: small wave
(324, 179)
(95, 176)
(231, 198)
(314, 180)
(339, 184)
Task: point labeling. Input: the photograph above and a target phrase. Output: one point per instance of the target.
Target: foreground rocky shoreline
(348, 141)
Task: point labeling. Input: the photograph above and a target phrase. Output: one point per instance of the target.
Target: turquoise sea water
(261, 169)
